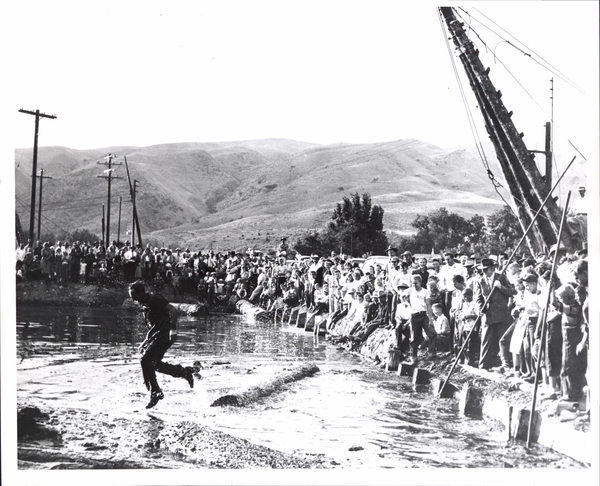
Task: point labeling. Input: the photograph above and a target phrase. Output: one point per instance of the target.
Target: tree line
(356, 227)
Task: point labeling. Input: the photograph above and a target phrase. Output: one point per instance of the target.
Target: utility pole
(103, 226)
(135, 183)
(42, 177)
(37, 115)
(548, 153)
(119, 225)
(109, 177)
(136, 220)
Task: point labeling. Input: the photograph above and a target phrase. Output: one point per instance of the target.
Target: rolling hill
(250, 193)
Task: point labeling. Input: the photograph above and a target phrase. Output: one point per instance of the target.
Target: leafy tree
(84, 236)
(442, 231)
(309, 243)
(356, 226)
(503, 230)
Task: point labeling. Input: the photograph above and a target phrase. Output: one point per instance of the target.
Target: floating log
(246, 396)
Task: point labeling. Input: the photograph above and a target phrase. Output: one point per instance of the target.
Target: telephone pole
(108, 158)
(119, 225)
(37, 115)
(42, 177)
(135, 183)
(136, 220)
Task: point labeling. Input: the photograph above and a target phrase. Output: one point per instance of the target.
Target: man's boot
(155, 396)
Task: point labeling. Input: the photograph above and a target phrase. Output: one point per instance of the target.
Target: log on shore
(248, 309)
(246, 396)
(191, 309)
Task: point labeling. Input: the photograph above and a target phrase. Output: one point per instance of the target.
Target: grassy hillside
(252, 192)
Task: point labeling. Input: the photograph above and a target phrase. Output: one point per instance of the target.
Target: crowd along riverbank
(561, 426)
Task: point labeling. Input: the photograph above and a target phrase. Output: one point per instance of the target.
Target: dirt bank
(35, 292)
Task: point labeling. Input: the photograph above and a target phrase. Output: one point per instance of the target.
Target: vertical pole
(103, 229)
(37, 115)
(133, 214)
(119, 225)
(34, 175)
(548, 150)
(39, 231)
(106, 243)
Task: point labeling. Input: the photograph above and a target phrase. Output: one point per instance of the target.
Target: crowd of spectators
(432, 305)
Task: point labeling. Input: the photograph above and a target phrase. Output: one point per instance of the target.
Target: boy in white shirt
(441, 339)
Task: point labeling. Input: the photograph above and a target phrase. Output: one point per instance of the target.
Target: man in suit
(496, 317)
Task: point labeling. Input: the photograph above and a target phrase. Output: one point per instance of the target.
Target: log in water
(245, 396)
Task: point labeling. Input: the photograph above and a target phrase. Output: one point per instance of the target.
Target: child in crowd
(441, 340)
(82, 266)
(403, 312)
(466, 319)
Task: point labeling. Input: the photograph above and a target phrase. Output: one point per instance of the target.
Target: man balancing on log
(161, 320)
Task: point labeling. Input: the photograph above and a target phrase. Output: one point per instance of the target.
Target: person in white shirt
(441, 339)
(448, 271)
(420, 317)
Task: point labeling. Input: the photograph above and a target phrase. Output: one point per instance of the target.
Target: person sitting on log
(291, 294)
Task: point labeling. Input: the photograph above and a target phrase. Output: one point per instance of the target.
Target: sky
(144, 73)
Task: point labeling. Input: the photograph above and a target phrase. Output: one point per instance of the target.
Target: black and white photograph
(300, 242)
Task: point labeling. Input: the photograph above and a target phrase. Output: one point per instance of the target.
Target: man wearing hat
(283, 246)
(495, 288)
(391, 251)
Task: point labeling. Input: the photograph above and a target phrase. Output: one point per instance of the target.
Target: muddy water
(351, 412)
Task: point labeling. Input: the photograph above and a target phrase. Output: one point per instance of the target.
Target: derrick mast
(527, 186)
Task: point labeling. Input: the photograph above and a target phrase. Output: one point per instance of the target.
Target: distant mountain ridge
(250, 193)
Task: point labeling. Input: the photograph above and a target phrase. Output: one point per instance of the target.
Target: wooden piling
(520, 423)
(405, 369)
(448, 391)
(420, 376)
(471, 401)
(393, 360)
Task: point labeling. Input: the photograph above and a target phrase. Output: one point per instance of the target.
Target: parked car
(373, 260)
(360, 261)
